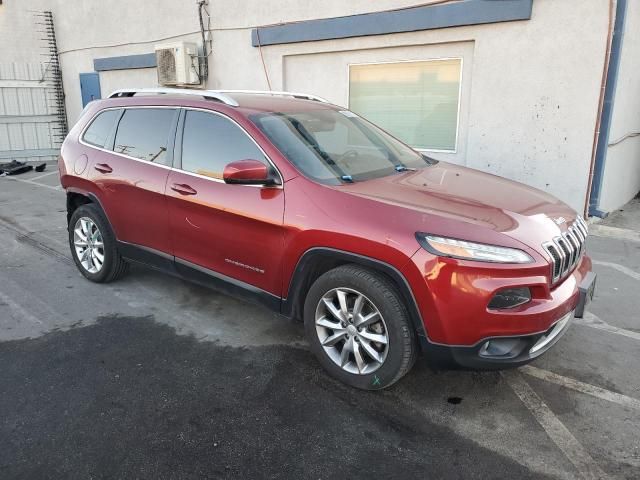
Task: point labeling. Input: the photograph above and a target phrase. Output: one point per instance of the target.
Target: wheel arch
(76, 198)
(319, 260)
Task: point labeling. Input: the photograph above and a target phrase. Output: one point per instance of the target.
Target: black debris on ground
(129, 398)
(14, 168)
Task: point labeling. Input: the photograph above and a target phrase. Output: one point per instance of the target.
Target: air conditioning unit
(178, 63)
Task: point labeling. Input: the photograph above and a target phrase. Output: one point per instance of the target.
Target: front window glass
(333, 146)
(210, 142)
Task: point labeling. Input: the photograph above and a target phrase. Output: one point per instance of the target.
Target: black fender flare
(90, 195)
(307, 260)
(94, 200)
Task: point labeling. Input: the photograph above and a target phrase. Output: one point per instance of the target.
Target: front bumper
(508, 352)
(463, 330)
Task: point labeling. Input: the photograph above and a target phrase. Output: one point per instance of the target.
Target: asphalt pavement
(152, 377)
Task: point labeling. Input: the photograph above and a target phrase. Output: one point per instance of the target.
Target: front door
(233, 230)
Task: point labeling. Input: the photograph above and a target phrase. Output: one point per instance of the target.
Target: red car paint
(225, 227)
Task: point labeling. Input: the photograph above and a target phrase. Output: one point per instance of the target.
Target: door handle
(183, 189)
(103, 167)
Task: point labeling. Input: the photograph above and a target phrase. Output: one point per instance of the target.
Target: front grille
(565, 250)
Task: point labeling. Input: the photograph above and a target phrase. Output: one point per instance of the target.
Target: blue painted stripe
(607, 111)
(145, 60)
(465, 12)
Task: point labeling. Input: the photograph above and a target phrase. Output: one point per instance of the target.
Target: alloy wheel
(351, 331)
(88, 244)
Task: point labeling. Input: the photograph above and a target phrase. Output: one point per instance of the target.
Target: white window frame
(438, 59)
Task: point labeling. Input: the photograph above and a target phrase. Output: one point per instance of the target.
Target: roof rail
(306, 96)
(224, 96)
(208, 94)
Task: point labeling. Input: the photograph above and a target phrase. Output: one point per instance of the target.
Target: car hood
(463, 197)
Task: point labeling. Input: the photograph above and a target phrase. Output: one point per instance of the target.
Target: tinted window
(144, 133)
(98, 132)
(211, 141)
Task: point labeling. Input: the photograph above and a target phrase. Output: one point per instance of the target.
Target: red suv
(312, 211)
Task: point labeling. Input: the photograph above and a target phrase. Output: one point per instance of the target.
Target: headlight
(451, 247)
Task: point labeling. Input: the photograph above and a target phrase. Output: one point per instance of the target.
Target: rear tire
(93, 245)
(349, 314)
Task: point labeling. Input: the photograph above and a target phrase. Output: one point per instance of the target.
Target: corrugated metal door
(29, 126)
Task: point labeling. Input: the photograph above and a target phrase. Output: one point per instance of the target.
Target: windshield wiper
(403, 168)
(395, 161)
(430, 161)
(304, 133)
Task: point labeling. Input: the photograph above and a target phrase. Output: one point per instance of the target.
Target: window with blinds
(414, 101)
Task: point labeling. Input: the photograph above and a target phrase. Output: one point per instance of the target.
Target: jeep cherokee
(307, 208)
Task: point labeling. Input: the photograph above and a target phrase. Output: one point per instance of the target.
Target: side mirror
(247, 172)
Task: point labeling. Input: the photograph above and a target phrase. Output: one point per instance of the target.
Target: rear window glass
(98, 132)
(144, 133)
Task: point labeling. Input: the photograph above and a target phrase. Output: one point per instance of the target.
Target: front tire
(358, 328)
(93, 245)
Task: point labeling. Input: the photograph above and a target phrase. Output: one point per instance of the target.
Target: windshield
(334, 147)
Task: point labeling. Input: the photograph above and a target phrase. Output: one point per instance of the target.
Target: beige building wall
(529, 89)
(621, 180)
(19, 36)
(524, 115)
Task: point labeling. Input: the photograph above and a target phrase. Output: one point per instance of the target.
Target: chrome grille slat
(563, 256)
(578, 233)
(582, 225)
(581, 239)
(551, 249)
(566, 250)
(577, 246)
(580, 245)
(579, 242)
(572, 247)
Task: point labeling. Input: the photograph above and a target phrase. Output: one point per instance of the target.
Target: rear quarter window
(98, 132)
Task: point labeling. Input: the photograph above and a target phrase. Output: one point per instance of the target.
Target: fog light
(510, 298)
(502, 348)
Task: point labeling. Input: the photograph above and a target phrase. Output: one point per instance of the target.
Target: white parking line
(18, 310)
(43, 175)
(620, 268)
(593, 321)
(581, 387)
(50, 187)
(555, 429)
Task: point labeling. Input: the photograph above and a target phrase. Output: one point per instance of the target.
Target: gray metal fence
(29, 124)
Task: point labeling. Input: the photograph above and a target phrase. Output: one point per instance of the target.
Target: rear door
(234, 230)
(131, 172)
